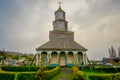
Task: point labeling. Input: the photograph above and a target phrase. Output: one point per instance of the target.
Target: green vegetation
(56, 73)
(58, 76)
(101, 73)
(78, 75)
(15, 56)
(101, 69)
(24, 68)
(19, 68)
(7, 76)
(27, 76)
(104, 76)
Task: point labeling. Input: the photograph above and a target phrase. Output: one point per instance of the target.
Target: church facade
(61, 49)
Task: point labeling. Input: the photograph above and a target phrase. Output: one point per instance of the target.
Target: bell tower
(60, 24)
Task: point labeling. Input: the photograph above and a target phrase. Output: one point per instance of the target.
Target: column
(66, 57)
(58, 57)
(83, 59)
(49, 57)
(36, 59)
(75, 57)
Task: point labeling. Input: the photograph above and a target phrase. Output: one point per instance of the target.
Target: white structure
(61, 49)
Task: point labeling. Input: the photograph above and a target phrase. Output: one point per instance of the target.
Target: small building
(8, 61)
(1, 60)
(61, 49)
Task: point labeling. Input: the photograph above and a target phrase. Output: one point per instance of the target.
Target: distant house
(20, 62)
(111, 60)
(1, 60)
(13, 62)
(8, 61)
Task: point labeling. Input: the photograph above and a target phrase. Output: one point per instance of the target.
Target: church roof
(60, 44)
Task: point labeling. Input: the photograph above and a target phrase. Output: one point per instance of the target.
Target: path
(66, 74)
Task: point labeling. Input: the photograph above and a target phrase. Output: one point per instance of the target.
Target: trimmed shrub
(100, 77)
(23, 68)
(47, 75)
(7, 76)
(116, 76)
(78, 75)
(33, 68)
(104, 76)
(27, 76)
(101, 69)
(51, 73)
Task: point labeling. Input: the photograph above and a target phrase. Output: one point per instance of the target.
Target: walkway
(65, 74)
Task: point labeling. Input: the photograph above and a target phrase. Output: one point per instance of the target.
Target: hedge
(23, 68)
(101, 69)
(104, 76)
(51, 73)
(78, 75)
(27, 76)
(7, 76)
(35, 76)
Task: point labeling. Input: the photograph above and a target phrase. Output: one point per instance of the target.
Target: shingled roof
(61, 44)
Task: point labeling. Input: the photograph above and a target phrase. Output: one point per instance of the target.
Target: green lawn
(89, 72)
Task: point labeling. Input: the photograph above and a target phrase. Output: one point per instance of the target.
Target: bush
(101, 69)
(7, 76)
(104, 76)
(27, 76)
(51, 73)
(100, 77)
(78, 75)
(47, 75)
(23, 68)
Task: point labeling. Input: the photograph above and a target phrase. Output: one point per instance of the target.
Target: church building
(61, 49)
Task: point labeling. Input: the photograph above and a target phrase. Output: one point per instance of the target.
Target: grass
(57, 76)
(70, 77)
(90, 72)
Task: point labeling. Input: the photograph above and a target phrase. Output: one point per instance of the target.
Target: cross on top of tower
(59, 3)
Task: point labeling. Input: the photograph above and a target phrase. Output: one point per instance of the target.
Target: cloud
(25, 24)
(98, 27)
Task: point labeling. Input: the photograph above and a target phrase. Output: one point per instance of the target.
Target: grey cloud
(25, 24)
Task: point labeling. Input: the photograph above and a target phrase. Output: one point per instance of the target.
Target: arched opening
(62, 59)
(44, 59)
(80, 58)
(54, 59)
(70, 59)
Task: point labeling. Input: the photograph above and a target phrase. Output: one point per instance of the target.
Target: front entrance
(62, 59)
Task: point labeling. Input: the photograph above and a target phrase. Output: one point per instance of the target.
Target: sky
(25, 24)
